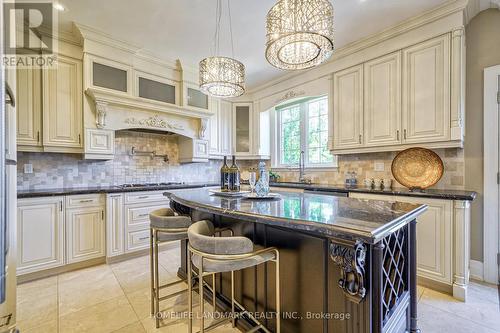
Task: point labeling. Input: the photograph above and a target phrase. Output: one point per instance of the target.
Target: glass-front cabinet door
(109, 77)
(242, 128)
(156, 88)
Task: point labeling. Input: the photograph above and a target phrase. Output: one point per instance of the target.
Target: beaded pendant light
(222, 76)
(299, 33)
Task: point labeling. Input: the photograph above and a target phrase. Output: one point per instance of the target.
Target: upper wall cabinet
(29, 109)
(401, 99)
(242, 125)
(109, 75)
(62, 106)
(50, 108)
(382, 100)
(426, 91)
(156, 88)
(348, 108)
(195, 99)
(220, 130)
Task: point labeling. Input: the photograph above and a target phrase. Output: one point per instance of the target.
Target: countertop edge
(329, 231)
(466, 196)
(104, 190)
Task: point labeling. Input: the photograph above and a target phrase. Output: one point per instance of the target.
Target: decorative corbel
(101, 110)
(203, 128)
(351, 259)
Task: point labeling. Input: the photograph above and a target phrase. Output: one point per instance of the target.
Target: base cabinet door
(40, 234)
(434, 235)
(115, 226)
(85, 234)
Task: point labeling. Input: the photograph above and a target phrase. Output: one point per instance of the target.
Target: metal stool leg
(214, 305)
(278, 300)
(157, 281)
(233, 315)
(190, 293)
(200, 288)
(151, 264)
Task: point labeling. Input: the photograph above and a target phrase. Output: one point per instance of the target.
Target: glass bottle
(262, 186)
(234, 179)
(224, 176)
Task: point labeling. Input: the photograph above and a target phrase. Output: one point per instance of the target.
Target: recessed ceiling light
(59, 7)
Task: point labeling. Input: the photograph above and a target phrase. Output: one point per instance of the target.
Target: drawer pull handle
(144, 197)
(144, 238)
(85, 201)
(142, 215)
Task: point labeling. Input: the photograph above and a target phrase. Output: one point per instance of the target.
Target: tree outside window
(303, 126)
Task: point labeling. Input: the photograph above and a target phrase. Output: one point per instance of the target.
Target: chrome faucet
(302, 166)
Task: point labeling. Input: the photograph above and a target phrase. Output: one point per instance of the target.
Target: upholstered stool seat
(211, 255)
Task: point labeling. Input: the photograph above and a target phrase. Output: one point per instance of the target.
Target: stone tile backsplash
(364, 164)
(51, 170)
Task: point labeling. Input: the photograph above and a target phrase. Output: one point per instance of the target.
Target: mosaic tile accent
(52, 170)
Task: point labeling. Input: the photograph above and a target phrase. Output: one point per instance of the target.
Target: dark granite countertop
(370, 220)
(104, 189)
(429, 193)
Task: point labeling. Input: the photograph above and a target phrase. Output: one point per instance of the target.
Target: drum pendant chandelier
(222, 76)
(299, 33)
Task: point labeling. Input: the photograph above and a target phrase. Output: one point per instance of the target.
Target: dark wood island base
(334, 278)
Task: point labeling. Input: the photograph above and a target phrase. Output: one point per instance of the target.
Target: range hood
(110, 109)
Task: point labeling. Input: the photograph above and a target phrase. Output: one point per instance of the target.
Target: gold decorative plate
(417, 168)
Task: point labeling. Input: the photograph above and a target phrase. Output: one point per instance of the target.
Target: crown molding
(432, 15)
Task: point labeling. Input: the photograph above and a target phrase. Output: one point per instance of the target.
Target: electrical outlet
(28, 168)
(379, 166)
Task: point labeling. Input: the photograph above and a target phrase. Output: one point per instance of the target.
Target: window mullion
(304, 130)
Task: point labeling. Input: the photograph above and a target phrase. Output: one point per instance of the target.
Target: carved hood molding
(116, 111)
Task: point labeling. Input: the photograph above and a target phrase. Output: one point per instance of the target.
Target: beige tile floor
(115, 298)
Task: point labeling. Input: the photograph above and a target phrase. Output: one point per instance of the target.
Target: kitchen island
(347, 265)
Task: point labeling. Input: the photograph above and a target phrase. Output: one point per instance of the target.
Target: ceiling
(183, 29)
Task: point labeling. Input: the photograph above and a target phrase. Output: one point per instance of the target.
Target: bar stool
(165, 226)
(212, 255)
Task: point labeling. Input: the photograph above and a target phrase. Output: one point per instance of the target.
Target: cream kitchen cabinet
(63, 106)
(85, 227)
(40, 234)
(348, 108)
(29, 109)
(382, 101)
(443, 233)
(426, 91)
(220, 130)
(250, 132)
(50, 108)
(242, 127)
(127, 225)
(400, 100)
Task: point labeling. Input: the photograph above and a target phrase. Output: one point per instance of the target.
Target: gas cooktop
(149, 184)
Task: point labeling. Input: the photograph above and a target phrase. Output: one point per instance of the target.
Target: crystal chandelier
(222, 76)
(299, 33)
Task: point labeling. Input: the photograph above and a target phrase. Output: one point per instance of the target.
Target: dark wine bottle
(224, 176)
(234, 178)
